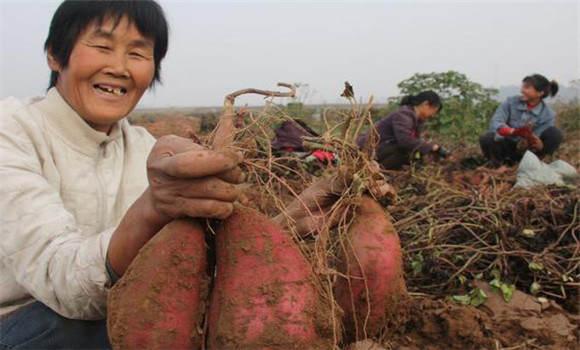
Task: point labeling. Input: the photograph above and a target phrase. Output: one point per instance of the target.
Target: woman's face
(426, 111)
(529, 93)
(109, 69)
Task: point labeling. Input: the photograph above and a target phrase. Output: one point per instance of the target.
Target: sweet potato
(265, 295)
(375, 294)
(160, 301)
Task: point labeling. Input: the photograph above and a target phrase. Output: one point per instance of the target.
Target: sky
(218, 47)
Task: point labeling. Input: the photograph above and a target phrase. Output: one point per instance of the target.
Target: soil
(525, 322)
(177, 124)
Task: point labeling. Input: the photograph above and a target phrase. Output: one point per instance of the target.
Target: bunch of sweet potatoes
(264, 296)
(262, 292)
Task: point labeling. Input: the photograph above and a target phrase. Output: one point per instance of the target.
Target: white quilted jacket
(63, 189)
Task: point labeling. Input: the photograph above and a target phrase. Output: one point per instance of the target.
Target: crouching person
(523, 123)
(399, 133)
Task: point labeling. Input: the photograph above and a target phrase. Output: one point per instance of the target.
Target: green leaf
(495, 283)
(461, 299)
(535, 288)
(507, 290)
(417, 267)
(566, 278)
(536, 266)
(529, 232)
(462, 279)
(475, 298)
(479, 276)
(478, 297)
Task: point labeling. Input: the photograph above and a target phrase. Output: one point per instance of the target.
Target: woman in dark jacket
(399, 133)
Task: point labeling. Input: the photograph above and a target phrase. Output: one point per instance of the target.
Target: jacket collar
(415, 117)
(65, 121)
(523, 106)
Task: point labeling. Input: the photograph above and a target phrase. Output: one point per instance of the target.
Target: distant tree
(467, 105)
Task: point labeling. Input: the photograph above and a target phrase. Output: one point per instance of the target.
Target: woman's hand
(188, 180)
(185, 180)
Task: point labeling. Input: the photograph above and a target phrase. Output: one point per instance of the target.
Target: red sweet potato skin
(375, 296)
(265, 295)
(160, 301)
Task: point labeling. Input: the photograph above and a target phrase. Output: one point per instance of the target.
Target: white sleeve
(40, 242)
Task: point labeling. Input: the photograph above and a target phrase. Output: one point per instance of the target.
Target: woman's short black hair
(542, 84)
(73, 16)
(430, 96)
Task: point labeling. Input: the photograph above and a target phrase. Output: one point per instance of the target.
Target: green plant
(506, 289)
(467, 105)
(475, 298)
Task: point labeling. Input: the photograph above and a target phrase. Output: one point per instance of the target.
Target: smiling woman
(74, 191)
(104, 71)
(110, 68)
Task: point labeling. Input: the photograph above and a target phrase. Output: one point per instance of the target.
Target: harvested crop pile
(457, 231)
(265, 294)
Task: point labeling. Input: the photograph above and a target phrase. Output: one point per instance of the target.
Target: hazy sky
(218, 47)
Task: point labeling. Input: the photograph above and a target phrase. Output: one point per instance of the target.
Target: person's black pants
(499, 151)
(392, 157)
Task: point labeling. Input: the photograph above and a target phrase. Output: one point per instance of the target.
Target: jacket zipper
(102, 190)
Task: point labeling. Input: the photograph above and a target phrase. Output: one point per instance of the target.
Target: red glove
(523, 132)
(323, 156)
(506, 131)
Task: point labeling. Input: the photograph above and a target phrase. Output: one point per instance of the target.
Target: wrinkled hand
(188, 180)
